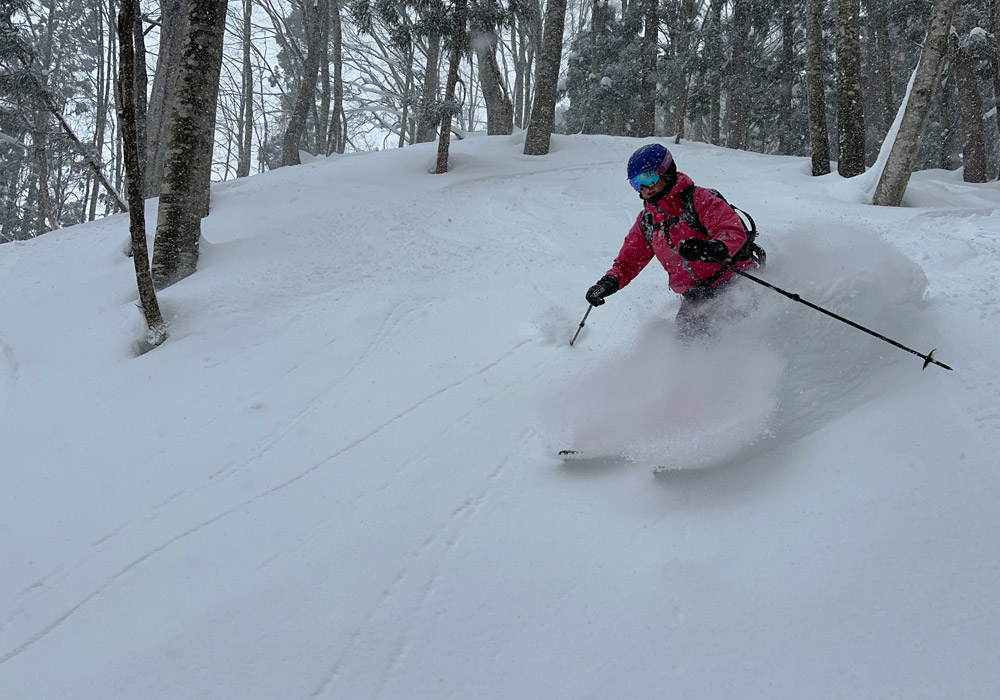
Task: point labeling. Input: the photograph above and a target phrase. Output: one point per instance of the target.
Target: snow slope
(336, 479)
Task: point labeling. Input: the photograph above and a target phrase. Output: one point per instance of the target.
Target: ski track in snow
(473, 506)
(439, 545)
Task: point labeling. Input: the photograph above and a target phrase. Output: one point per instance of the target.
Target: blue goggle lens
(647, 179)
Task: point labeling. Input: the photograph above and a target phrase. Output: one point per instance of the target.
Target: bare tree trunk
(338, 119)
(325, 96)
(714, 51)
(519, 41)
(457, 47)
(173, 30)
(688, 12)
(245, 119)
(736, 103)
(543, 111)
(787, 78)
(428, 119)
(103, 88)
(970, 110)
(819, 134)
(646, 123)
(292, 141)
(404, 116)
(996, 59)
(499, 108)
(44, 220)
(141, 89)
(850, 104)
(882, 66)
(188, 164)
(127, 85)
(899, 166)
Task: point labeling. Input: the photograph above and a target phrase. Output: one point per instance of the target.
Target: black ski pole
(928, 358)
(589, 309)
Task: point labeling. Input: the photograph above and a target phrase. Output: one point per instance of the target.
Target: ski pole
(589, 309)
(928, 358)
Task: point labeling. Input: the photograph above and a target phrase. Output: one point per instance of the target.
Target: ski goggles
(644, 179)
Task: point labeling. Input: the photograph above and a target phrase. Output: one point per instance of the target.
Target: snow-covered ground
(337, 477)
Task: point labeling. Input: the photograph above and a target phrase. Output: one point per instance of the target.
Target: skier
(690, 230)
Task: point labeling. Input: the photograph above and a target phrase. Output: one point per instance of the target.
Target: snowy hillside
(337, 478)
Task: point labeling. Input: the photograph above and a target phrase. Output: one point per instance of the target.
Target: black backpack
(689, 215)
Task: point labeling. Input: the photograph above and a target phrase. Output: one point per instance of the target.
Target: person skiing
(690, 230)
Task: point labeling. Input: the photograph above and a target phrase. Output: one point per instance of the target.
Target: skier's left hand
(705, 251)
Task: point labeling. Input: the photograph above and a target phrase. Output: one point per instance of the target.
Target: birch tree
(163, 92)
(899, 165)
(184, 194)
(127, 89)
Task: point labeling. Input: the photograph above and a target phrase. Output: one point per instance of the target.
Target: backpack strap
(689, 215)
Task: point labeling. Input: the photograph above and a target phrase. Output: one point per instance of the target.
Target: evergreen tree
(604, 82)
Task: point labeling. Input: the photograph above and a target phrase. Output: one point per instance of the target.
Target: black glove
(605, 287)
(705, 251)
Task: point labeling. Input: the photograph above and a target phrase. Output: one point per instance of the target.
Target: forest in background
(335, 76)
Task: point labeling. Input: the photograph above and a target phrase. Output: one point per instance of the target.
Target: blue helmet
(652, 156)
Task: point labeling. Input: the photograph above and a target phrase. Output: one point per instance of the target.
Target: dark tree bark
(458, 34)
(996, 59)
(650, 41)
(245, 125)
(736, 136)
(684, 36)
(127, 108)
(141, 89)
(970, 110)
(878, 24)
(713, 52)
(428, 119)
(543, 111)
(850, 103)
(338, 119)
(787, 78)
(819, 135)
(312, 13)
(187, 169)
(499, 107)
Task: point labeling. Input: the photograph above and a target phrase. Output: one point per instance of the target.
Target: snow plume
(777, 367)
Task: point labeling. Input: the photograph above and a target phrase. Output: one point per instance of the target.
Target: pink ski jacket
(669, 227)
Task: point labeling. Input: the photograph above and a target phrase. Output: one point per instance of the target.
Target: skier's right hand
(605, 287)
